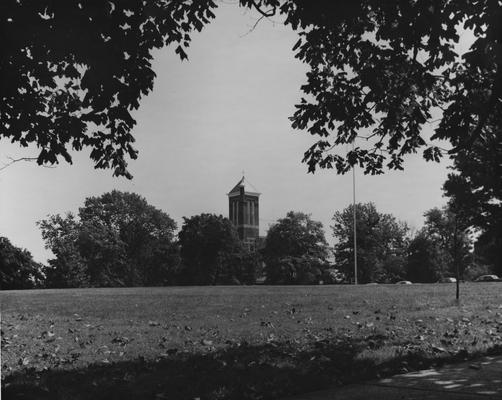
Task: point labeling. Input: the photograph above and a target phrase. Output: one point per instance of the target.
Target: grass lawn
(235, 342)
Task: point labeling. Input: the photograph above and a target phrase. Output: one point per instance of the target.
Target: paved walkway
(476, 380)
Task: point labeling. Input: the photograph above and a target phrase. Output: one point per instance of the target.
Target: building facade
(244, 212)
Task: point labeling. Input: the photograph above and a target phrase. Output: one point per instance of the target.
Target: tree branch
(15, 160)
(254, 26)
(266, 14)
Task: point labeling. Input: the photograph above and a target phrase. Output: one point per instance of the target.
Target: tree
(18, 270)
(475, 193)
(72, 72)
(61, 236)
(381, 244)
(241, 267)
(118, 239)
(209, 244)
(295, 250)
(427, 262)
(449, 231)
(135, 230)
(304, 270)
(487, 252)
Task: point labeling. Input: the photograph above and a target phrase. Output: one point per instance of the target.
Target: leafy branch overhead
(387, 69)
(72, 72)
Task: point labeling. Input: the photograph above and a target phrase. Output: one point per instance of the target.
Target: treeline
(387, 251)
(296, 251)
(118, 239)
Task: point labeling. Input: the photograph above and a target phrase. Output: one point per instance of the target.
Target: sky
(206, 121)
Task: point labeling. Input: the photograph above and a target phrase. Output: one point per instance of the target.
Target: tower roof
(244, 183)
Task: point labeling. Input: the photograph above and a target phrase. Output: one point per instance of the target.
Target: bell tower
(243, 211)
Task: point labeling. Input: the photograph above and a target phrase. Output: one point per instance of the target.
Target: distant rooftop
(246, 185)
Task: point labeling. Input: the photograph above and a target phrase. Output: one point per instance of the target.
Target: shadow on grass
(265, 371)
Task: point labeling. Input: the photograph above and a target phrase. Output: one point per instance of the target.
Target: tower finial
(243, 173)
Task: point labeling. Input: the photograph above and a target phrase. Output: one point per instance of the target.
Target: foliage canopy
(212, 253)
(381, 244)
(391, 67)
(73, 71)
(427, 262)
(474, 189)
(295, 250)
(18, 270)
(118, 239)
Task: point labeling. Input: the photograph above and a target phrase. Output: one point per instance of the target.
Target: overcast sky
(224, 111)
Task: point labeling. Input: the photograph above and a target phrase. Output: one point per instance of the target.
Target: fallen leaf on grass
(122, 340)
(50, 337)
(169, 352)
(439, 349)
(24, 361)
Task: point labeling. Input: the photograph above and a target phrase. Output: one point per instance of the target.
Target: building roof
(246, 185)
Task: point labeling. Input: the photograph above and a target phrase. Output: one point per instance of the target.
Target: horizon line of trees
(118, 239)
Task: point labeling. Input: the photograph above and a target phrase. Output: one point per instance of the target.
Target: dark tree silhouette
(474, 190)
(295, 250)
(427, 261)
(211, 251)
(18, 270)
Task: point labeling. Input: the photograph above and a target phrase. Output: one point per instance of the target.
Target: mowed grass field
(235, 342)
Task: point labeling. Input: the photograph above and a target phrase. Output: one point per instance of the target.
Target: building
(244, 212)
